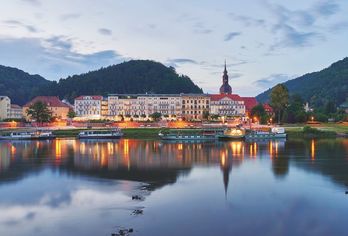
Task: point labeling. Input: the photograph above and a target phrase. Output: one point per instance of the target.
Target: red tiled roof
(51, 101)
(267, 107)
(249, 102)
(93, 97)
(15, 106)
(217, 97)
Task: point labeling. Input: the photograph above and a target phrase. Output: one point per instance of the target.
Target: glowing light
(223, 158)
(58, 149)
(180, 147)
(313, 149)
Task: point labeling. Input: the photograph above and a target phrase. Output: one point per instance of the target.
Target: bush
(309, 130)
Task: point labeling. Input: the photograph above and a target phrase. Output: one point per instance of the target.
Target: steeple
(225, 71)
(225, 88)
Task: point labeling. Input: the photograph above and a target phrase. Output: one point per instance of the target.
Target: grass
(317, 131)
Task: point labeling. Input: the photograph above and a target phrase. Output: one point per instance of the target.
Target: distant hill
(330, 84)
(137, 76)
(19, 85)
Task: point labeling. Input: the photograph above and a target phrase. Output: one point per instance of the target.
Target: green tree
(39, 112)
(259, 112)
(295, 111)
(330, 107)
(71, 114)
(279, 99)
(205, 115)
(156, 116)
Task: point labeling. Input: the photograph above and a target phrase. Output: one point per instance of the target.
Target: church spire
(225, 88)
(225, 71)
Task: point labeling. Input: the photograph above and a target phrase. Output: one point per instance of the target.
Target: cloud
(294, 28)
(15, 23)
(178, 61)
(105, 31)
(200, 28)
(339, 26)
(59, 42)
(290, 37)
(69, 16)
(272, 80)
(247, 21)
(327, 8)
(32, 2)
(52, 58)
(231, 35)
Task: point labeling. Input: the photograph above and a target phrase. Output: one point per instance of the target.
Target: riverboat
(101, 134)
(274, 133)
(208, 134)
(35, 135)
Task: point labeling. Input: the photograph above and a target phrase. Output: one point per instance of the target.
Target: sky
(265, 42)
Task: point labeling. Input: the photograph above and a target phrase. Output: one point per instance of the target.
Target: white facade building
(16, 112)
(227, 105)
(143, 105)
(5, 107)
(89, 107)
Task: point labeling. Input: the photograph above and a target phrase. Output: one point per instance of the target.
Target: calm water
(71, 187)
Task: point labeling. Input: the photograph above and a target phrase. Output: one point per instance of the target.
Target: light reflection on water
(72, 187)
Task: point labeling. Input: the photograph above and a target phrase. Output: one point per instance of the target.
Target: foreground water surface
(71, 187)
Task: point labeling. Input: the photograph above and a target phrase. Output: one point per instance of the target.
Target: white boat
(101, 134)
(207, 134)
(232, 133)
(274, 133)
(36, 135)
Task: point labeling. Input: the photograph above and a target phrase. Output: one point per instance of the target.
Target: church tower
(225, 87)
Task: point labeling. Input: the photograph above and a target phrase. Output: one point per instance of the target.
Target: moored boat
(274, 133)
(101, 134)
(208, 134)
(35, 135)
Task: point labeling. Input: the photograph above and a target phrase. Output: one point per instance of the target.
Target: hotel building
(143, 105)
(91, 107)
(5, 107)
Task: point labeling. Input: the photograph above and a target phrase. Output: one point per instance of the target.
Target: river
(72, 187)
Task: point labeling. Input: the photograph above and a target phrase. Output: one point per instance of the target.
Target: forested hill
(19, 85)
(137, 76)
(330, 84)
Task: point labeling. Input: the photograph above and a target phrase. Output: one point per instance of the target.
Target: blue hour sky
(264, 41)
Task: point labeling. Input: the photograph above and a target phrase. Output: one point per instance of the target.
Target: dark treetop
(137, 76)
(330, 84)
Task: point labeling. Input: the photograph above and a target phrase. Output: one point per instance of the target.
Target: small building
(58, 108)
(250, 103)
(344, 106)
(5, 107)
(16, 112)
(268, 109)
(90, 107)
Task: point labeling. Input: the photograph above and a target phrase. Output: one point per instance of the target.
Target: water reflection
(142, 160)
(68, 179)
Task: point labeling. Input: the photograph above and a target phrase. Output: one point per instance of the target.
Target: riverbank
(329, 130)
(133, 133)
(293, 131)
